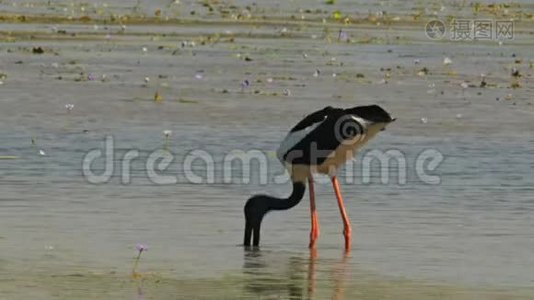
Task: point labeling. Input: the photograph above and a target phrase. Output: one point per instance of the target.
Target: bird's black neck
(286, 203)
(259, 205)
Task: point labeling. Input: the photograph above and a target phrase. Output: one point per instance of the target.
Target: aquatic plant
(39, 151)
(140, 249)
(167, 134)
(343, 36)
(244, 84)
(69, 107)
(157, 97)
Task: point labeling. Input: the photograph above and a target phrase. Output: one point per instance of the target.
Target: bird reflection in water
(275, 275)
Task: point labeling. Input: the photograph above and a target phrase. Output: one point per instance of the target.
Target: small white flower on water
(269, 80)
(464, 85)
(287, 92)
(95, 27)
(188, 44)
(41, 152)
(69, 107)
(500, 43)
(458, 116)
(447, 61)
(55, 65)
(334, 74)
(284, 30)
(144, 49)
(305, 55)
(317, 72)
(147, 80)
(1, 82)
(424, 120)
(49, 247)
(123, 27)
(199, 76)
(167, 133)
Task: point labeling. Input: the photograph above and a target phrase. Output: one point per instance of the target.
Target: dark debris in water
(38, 50)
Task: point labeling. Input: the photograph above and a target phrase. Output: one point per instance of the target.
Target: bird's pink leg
(314, 234)
(347, 230)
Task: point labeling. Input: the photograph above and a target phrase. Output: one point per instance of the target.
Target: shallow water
(62, 237)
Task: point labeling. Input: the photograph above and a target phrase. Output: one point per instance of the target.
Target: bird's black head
(258, 206)
(255, 209)
(373, 113)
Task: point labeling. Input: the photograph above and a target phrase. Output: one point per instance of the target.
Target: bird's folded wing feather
(313, 118)
(318, 143)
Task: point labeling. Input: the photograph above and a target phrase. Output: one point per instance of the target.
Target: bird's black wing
(338, 127)
(313, 118)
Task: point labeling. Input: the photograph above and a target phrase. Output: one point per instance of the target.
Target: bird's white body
(345, 151)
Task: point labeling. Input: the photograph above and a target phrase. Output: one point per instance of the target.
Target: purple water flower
(141, 247)
(343, 36)
(91, 77)
(245, 84)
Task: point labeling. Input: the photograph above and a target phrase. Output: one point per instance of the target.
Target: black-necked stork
(320, 143)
